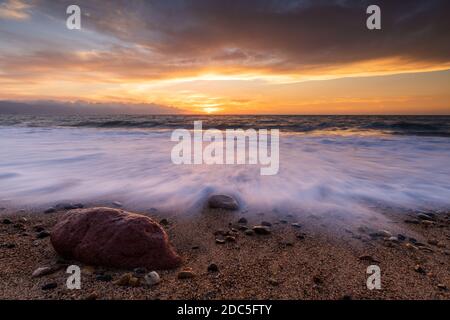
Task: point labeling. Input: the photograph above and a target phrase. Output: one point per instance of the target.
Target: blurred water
(321, 170)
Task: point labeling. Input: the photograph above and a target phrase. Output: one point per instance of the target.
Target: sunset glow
(273, 69)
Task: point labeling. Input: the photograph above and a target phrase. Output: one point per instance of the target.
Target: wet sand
(316, 259)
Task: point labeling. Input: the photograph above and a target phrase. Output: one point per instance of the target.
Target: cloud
(81, 108)
(274, 34)
(14, 9)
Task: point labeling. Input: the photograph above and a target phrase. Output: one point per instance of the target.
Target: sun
(210, 110)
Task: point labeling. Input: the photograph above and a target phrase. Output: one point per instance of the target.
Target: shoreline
(304, 257)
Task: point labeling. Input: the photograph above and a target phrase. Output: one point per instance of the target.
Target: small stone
(249, 232)
(393, 239)
(6, 221)
(433, 242)
(368, 258)
(92, 296)
(423, 216)
(412, 221)
(140, 271)
(104, 277)
(381, 233)
(296, 225)
(262, 230)
(43, 234)
(243, 228)
(195, 247)
(50, 210)
(213, 268)
(273, 282)
(49, 286)
(134, 282)
(186, 274)
(419, 269)
(230, 239)
(411, 247)
(283, 221)
(117, 204)
(221, 201)
(127, 279)
(301, 236)
(43, 271)
(24, 220)
(401, 237)
(442, 286)
(266, 224)
(242, 220)
(220, 241)
(152, 278)
(441, 244)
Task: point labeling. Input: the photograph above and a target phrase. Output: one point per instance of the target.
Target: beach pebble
(427, 223)
(296, 225)
(49, 286)
(43, 271)
(263, 230)
(152, 278)
(139, 271)
(213, 267)
(242, 220)
(104, 277)
(368, 258)
(220, 241)
(92, 296)
(411, 247)
(393, 239)
(423, 216)
(117, 204)
(401, 237)
(43, 234)
(6, 221)
(418, 268)
(266, 224)
(50, 210)
(127, 280)
(221, 201)
(230, 239)
(249, 232)
(381, 233)
(186, 274)
(442, 286)
(273, 282)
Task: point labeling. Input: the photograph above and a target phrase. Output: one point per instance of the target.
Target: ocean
(345, 164)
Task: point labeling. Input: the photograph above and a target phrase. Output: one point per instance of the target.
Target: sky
(230, 56)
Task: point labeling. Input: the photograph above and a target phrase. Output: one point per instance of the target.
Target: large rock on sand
(220, 201)
(113, 238)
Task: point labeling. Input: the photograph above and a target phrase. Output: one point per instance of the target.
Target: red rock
(113, 238)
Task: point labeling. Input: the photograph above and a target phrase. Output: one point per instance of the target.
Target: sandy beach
(303, 257)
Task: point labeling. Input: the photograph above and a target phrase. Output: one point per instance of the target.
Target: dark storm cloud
(295, 33)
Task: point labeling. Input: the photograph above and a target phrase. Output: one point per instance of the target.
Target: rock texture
(221, 201)
(113, 238)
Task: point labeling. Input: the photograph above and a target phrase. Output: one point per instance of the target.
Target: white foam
(319, 173)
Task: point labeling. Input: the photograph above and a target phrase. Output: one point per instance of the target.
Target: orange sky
(119, 57)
